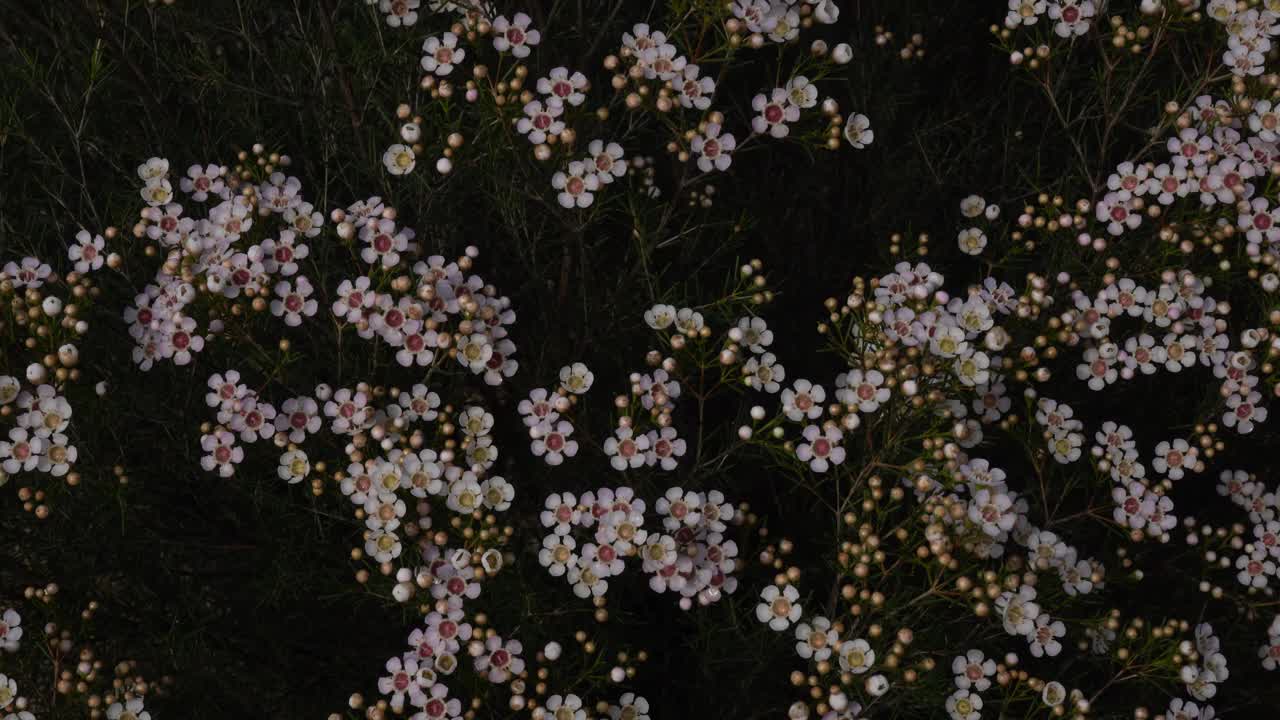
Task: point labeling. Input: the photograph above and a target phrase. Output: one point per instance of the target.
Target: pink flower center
(222, 455)
(555, 442)
(382, 243)
(627, 448)
(575, 185)
(500, 658)
(515, 36)
(662, 448)
(181, 340)
(821, 447)
(773, 113)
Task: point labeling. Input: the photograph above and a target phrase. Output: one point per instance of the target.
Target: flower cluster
(690, 556)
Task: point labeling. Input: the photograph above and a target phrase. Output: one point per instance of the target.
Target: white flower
(86, 253)
(294, 301)
(660, 317)
(222, 453)
(993, 511)
(497, 493)
(567, 708)
(1174, 458)
(713, 149)
(608, 161)
(540, 121)
(474, 351)
(577, 185)
(664, 448)
(779, 607)
(775, 111)
(815, 641)
(294, 466)
(964, 705)
(972, 241)
(561, 87)
(384, 242)
(695, 91)
(514, 35)
(973, 670)
(561, 512)
(1019, 610)
(1044, 639)
(8, 690)
(625, 450)
(551, 442)
(864, 390)
(764, 373)
(1054, 694)
(822, 449)
(10, 632)
(557, 554)
(803, 401)
(752, 332)
(399, 159)
(1071, 16)
(23, 451)
(128, 710)
(1243, 412)
(857, 130)
(972, 369)
(441, 54)
(400, 13)
(972, 206)
(856, 656)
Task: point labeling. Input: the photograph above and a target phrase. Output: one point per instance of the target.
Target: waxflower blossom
(514, 35)
(440, 54)
(858, 132)
(399, 160)
(779, 608)
(551, 442)
(822, 448)
(775, 111)
(86, 253)
(714, 150)
(972, 241)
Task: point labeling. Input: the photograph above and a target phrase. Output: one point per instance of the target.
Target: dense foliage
(678, 359)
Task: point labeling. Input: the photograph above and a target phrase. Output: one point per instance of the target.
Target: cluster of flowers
(1249, 28)
(38, 442)
(97, 688)
(51, 312)
(212, 260)
(691, 556)
(546, 414)
(383, 488)
(441, 311)
(1259, 555)
(646, 59)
